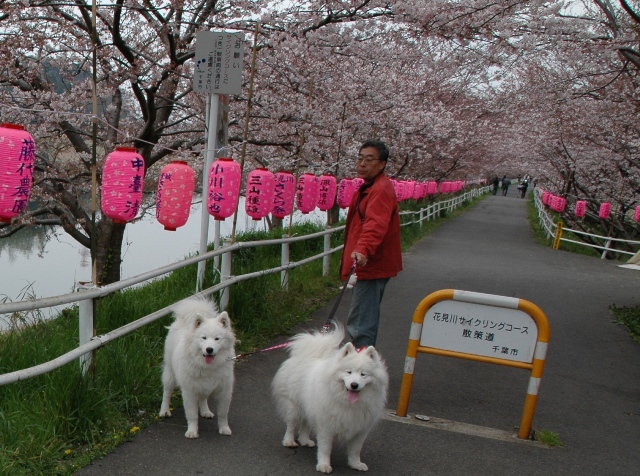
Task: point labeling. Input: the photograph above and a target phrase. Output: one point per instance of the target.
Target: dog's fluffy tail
(197, 307)
(316, 344)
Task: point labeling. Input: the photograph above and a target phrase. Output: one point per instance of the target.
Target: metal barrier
(86, 294)
(556, 230)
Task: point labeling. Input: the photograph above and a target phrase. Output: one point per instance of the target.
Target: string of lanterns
(559, 204)
(123, 177)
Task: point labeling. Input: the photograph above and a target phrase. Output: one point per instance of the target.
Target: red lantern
(444, 187)
(122, 180)
(307, 192)
(175, 194)
(358, 182)
(327, 192)
(259, 195)
(545, 198)
(17, 156)
(636, 216)
(560, 205)
(410, 189)
(417, 191)
(223, 188)
(285, 186)
(581, 208)
(432, 188)
(346, 189)
(605, 210)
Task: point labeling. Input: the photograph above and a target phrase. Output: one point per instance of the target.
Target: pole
(210, 152)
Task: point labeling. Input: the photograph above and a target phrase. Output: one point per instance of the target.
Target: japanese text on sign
(219, 62)
(502, 333)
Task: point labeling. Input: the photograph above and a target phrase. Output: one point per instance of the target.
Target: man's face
(368, 163)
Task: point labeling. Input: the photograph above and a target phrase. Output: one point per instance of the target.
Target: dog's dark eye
(349, 372)
(363, 374)
(217, 338)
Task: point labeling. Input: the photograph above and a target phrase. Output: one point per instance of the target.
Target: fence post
(607, 245)
(326, 258)
(225, 273)
(421, 216)
(284, 260)
(86, 326)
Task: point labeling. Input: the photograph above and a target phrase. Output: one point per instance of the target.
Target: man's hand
(359, 258)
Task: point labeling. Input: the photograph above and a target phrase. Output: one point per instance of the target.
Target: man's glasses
(366, 160)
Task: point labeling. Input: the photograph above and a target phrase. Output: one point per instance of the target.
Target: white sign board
(219, 57)
(479, 329)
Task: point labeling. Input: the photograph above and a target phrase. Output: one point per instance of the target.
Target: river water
(42, 262)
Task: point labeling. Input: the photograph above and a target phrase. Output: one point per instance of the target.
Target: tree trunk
(333, 215)
(108, 252)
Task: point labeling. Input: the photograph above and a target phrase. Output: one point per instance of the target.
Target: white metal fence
(556, 232)
(87, 293)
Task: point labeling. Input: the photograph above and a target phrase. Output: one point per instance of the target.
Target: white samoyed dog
(335, 391)
(198, 358)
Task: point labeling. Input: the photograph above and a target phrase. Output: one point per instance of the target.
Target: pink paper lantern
(605, 210)
(307, 192)
(175, 193)
(410, 189)
(581, 208)
(223, 188)
(259, 194)
(432, 187)
(636, 215)
(545, 198)
(561, 204)
(285, 187)
(17, 157)
(358, 182)
(417, 191)
(327, 192)
(444, 187)
(346, 189)
(122, 181)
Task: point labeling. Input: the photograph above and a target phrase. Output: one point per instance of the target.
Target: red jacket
(373, 229)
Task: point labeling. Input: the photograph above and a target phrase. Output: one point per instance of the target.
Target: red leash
(325, 328)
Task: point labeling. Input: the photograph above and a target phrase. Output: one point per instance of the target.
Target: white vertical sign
(219, 57)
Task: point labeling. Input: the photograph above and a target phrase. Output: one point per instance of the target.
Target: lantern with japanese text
(545, 198)
(346, 189)
(122, 180)
(559, 204)
(581, 208)
(17, 157)
(444, 187)
(223, 189)
(636, 215)
(307, 192)
(605, 210)
(175, 193)
(327, 192)
(259, 194)
(409, 189)
(432, 187)
(418, 191)
(358, 183)
(284, 190)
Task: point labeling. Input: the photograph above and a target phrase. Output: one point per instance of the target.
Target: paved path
(589, 395)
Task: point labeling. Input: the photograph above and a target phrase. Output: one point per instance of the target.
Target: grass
(549, 438)
(56, 423)
(630, 317)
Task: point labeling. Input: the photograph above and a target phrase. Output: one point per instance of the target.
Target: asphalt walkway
(589, 393)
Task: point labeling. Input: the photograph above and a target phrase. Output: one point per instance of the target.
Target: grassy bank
(56, 423)
(628, 316)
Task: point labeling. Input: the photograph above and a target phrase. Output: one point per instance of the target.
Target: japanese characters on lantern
(17, 157)
(223, 188)
(327, 192)
(259, 194)
(122, 183)
(307, 192)
(285, 186)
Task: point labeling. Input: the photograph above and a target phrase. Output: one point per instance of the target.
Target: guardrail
(555, 231)
(87, 292)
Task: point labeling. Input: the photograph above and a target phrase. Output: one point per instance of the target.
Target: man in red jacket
(372, 240)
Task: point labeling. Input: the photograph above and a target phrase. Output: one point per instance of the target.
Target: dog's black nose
(354, 385)
(209, 350)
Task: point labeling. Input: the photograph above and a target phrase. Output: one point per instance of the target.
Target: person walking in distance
(505, 185)
(372, 241)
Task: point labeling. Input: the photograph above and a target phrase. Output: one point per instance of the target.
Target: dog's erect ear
(347, 349)
(373, 353)
(199, 320)
(223, 317)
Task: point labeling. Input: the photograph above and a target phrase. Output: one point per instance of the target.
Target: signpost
(481, 327)
(219, 63)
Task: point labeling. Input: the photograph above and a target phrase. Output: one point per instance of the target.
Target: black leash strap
(327, 325)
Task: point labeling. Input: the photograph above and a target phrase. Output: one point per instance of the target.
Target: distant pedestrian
(522, 188)
(495, 183)
(505, 185)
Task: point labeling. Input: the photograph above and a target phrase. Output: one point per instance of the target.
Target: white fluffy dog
(335, 392)
(198, 355)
